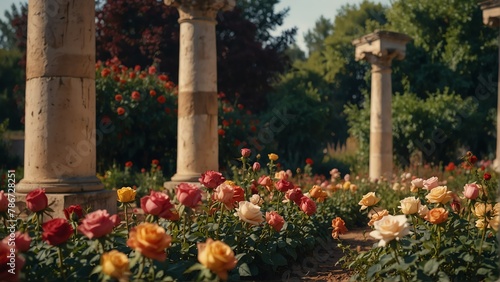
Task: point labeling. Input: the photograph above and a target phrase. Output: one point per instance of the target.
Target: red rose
(6, 258)
(152, 70)
(155, 162)
(4, 202)
(275, 220)
(284, 185)
(163, 77)
(136, 96)
(157, 203)
(152, 93)
(294, 195)
(118, 97)
(120, 111)
(211, 179)
(98, 224)
(161, 99)
(56, 231)
(239, 194)
(307, 205)
(36, 200)
(245, 152)
(73, 212)
(188, 194)
(137, 68)
(105, 72)
(309, 161)
(129, 164)
(487, 176)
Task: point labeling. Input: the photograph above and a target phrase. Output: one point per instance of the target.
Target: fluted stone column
(197, 140)
(60, 145)
(379, 49)
(491, 17)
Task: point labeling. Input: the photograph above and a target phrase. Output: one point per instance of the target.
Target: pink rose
(245, 152)
(265, 181)
(471, 191)
(256, 166)
(275, 220)
(188, 194)
(211, 179)
(294, 195)
(4, 202)
(431, 183)
(36, 200)
(157, 203)
(21, 241)
(224, 193)
(284, 185)
(98, 224)
(307, 205)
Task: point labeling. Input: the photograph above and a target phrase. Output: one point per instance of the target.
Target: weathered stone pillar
(197, 140)
(60, 148)
(379, 48)
(491, 17)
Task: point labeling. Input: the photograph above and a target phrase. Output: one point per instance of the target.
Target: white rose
(250, 213)
(389, 228)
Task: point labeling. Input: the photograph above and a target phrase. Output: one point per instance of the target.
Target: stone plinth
(197, 139)
(60, 152)
(379, 49)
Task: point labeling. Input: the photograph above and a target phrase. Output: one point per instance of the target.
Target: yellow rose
(480, 209)
(126, 194)
(495, 222)
(440, 195)
(250, 213)
(150, 240)
(480, 223)
(217, 256)
(368, 200)
(115, 264)
(409, 205)
(437, 215)
(318, 193)
(389, 228)
(273, 157)
(346, 185)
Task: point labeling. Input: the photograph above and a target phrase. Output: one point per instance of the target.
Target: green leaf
(194, 267)
(278, 259)
(374, 269)
(244, 270)
(431, 266)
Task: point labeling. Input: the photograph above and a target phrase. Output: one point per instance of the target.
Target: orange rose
(437, 215)
(376, 216)
(217, 256)
(150, 240)
(338, 225)
(318, 193)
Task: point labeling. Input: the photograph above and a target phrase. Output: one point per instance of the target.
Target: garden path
(323, 268)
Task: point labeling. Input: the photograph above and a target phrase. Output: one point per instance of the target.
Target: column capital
(380, 47)
(491, 12)
(200, 9)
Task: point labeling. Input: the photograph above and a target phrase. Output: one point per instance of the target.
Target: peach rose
(338, 226)
(480, 209)
(275, 220)
(423, 210)
(439, 194)
(266, 181)
(281, 175)
(256, 200)
(217, 256)
(98, 224)
(115, 264)
(150, 240)
(437, 215)
(409, 205)
(368, 200)
(250, 213)
(376, 216)
(389, 228)
(318, 193)
(224, 194)
(126, 194)
(188, 194)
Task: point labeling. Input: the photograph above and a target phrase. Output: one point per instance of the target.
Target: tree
(144, 34)
(315, 38)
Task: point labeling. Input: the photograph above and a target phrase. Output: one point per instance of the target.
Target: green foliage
(8, 160)
(11, 89)
(431, 126)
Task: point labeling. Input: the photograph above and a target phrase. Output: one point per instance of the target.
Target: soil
(322, 266)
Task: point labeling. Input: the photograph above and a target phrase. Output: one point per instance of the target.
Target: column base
(64, 185)
(95, 200)
(496, 165)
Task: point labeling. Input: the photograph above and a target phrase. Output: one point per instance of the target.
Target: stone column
(197, 140)
(491, 17)
(379, 49)
(60, 145)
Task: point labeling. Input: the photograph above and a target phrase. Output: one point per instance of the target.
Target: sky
(302, 14)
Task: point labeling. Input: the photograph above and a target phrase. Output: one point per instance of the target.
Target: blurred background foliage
(300, 103)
